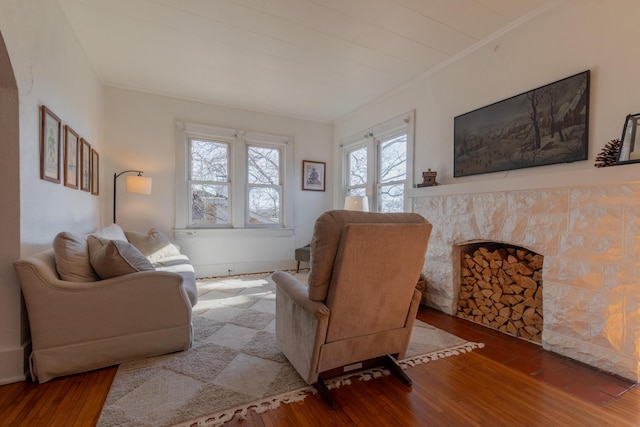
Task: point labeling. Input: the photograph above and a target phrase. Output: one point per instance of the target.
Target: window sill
(185, 233)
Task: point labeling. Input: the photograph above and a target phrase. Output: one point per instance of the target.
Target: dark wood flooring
(510, 382)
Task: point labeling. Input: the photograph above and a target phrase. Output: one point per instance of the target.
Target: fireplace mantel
(586, 224)
(622, 174)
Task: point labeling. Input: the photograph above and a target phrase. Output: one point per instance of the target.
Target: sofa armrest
(63, 313)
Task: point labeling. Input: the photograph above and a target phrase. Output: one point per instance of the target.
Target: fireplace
(501, 288)
(588, 231)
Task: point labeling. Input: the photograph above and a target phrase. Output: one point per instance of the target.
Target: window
(264, 185)
(378, 164)
(209, 182)
(392, 173)
(231, 178)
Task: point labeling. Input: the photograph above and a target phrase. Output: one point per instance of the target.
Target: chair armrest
(297, 291)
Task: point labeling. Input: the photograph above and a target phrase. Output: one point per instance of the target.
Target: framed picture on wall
(71, 144)
(95, 169)
(49, 145)
(313, 175)
(85, 165)
(544, 126)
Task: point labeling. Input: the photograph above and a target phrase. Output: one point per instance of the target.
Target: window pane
(209, 161)
(392, 198)
(358, 166)
(361, 191)
(210, 204)
(263, 165)
(393, 159)
(264, 205)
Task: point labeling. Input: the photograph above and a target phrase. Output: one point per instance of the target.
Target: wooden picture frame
(85, 165)
(544, 126)
(71, 145)
(313, 175)
(95, 170)
(50, 126)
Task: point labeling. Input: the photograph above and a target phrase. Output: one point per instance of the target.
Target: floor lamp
(137, 184)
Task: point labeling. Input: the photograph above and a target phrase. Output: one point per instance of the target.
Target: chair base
(388, 361)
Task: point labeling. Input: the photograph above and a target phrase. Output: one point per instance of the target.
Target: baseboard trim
(13, 364)
(231, 269)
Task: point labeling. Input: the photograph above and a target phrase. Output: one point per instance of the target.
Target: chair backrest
(365, 267)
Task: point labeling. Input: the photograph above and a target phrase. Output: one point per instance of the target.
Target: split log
(502, 288)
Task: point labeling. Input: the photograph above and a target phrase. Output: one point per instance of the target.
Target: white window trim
(238, 164)
(369, 138)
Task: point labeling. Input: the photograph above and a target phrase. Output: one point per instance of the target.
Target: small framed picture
(71, 144)
(95, 169)
(313, 175)
(85, 165)
(49, 146)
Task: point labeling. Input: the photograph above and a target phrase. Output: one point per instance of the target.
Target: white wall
(51, 69)
(141, 133)
(572, 36)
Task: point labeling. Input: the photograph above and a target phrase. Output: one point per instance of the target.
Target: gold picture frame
(95, 172)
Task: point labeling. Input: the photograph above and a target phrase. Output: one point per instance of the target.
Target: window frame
(239, 140)
(371, 139)
(279, 187)
(191, 181)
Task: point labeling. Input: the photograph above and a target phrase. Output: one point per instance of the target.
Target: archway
(14, 335)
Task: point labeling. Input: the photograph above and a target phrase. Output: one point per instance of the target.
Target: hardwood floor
(508, 383)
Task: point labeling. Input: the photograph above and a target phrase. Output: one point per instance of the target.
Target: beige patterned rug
(234, 364)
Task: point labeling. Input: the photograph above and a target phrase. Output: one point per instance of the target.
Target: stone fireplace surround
(585, 223)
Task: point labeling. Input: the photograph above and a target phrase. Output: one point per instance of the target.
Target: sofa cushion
(154, 245)
(72, 258)
(111, 232)
(112, 258)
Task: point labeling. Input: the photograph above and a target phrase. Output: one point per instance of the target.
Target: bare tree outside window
(393, 173)
(264, 185)
(209, 182)
(357, 172)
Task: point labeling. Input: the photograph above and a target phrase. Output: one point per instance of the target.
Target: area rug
(234, 364)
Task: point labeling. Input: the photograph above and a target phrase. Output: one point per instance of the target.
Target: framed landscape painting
(543, 126)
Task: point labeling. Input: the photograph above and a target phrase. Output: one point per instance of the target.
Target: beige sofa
(103, 299)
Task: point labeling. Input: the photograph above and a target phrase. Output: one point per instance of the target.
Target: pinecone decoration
(609, 154)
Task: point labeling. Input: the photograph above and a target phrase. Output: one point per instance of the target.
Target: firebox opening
(501, 287)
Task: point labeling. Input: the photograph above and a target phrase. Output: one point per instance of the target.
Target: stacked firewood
(502, 289)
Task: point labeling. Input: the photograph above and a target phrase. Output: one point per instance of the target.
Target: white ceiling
(314, 59)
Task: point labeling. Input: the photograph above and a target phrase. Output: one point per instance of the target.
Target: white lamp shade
(138, 184)
(356, 203)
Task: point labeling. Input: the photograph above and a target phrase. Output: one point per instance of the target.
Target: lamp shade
(138, 184)
(356, 203)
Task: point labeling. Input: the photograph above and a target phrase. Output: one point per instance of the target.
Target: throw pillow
(112, 258)
(111, 232)
(72, 258)
(154, 245)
